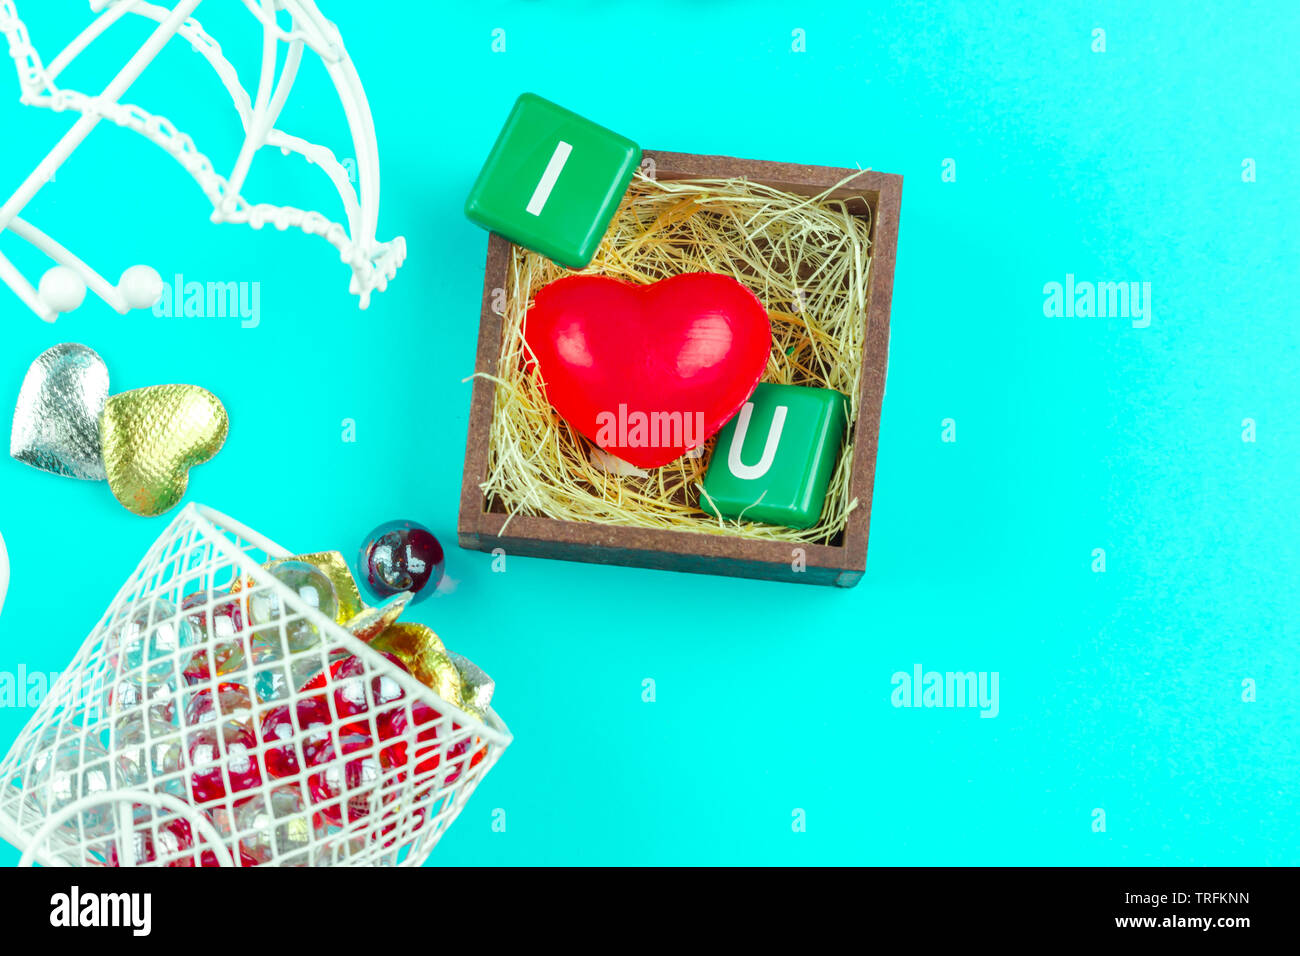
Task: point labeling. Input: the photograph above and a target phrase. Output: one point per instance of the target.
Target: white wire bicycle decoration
(63, 287)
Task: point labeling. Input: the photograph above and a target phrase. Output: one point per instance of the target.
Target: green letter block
(782, 447)
(552, 181)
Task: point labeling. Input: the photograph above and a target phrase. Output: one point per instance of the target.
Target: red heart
(648, 372)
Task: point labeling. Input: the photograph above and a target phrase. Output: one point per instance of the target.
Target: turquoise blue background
(1120, 691)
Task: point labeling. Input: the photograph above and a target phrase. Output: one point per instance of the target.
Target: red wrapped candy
(223, 744)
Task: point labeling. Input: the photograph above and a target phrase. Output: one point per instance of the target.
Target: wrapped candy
(373, 621)
(304, 727)
(142, 848)
(264, 608)
(146, 749)
(169, 841)
(423, 654)
(221, 622)
(144, 651)
(130, 694)
(278, 828)
(272, 683)
(351, 785)
(397, 825)
(67, 769)
(477, 687)
(333, 566)
(152, 635)
(222, 743)
(335, 783)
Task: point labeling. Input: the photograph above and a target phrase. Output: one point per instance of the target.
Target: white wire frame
(405, 813)
(372, 263)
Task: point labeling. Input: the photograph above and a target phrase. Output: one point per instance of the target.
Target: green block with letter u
(773, 461)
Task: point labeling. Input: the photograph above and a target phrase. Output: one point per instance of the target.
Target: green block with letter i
(773, 461)
(552, 181)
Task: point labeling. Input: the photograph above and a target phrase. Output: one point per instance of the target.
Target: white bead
(61, 289)
(141, 287)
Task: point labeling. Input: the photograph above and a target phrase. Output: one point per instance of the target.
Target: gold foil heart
(151, 439)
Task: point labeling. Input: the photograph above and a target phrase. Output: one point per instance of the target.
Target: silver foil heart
(56, 422)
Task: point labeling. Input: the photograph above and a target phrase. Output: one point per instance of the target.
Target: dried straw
(807, 259)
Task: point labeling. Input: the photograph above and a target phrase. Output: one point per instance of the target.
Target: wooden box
(840, 563)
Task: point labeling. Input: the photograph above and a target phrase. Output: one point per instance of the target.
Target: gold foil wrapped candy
(476, 687)
(425, 656)
(373, 621)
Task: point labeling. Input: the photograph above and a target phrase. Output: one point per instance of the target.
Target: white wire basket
(190, 732)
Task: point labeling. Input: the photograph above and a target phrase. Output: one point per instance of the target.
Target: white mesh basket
(138, 757)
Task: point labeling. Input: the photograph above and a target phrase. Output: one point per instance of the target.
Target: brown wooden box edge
(841, 565)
